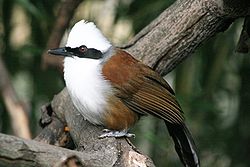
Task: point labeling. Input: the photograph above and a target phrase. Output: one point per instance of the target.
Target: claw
(113, 133)
(106, 130)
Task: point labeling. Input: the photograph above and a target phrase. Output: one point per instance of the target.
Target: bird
(109, 87)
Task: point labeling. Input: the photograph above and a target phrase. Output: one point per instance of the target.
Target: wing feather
(141, 89)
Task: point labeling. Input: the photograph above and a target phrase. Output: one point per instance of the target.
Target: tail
(184, 144)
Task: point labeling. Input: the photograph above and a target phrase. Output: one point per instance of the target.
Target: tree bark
(20, 152)
(181, 28)
(163, 44)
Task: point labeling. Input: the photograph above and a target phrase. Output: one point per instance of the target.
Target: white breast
(87, 87)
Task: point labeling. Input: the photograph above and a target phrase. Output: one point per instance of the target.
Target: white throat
(88, 89)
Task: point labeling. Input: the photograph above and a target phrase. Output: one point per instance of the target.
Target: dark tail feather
(184, 144)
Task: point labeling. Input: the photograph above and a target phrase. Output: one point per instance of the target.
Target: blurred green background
(212, 86)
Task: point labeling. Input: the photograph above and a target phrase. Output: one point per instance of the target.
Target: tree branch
(85, 135)
(167, 41)
(20, 152)
(180, 29)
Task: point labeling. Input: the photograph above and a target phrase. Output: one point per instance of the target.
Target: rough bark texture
(180, 29)
(20, 152)
(169, 39)
(91, 151)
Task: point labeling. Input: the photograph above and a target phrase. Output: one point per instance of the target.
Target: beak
(60, 52)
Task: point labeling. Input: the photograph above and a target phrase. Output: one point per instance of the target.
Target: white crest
(86, 33)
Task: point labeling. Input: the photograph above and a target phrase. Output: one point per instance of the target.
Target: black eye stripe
(81, 48)
(84, 52)
(68, 49)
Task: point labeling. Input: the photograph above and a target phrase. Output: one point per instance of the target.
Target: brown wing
(141, 89)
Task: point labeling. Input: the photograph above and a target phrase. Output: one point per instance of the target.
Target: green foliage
(141, 13)
(25, 60)
(212, 86)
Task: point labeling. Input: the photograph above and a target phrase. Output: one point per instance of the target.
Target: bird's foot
(114, 133)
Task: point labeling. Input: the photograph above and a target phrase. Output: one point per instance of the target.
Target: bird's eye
(83, 48)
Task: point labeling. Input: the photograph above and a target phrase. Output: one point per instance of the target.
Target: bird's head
(85, 40)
